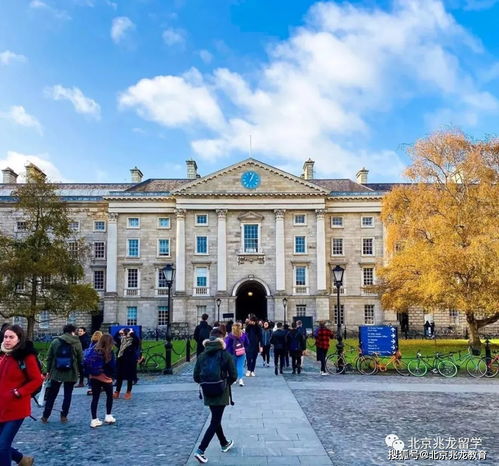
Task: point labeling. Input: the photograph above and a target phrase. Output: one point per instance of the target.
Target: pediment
(272, 181)
(250, 217)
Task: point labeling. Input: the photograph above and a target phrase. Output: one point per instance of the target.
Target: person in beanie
(215, 347)
(201, 333)
(322, 337)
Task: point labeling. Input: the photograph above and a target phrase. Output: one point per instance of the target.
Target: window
(201, 276)
(453, 316)
(367, 276)
(71, 319)
(133, 248)
(163, 222)
(20, 286)
(368, 246)
(201, 245)
(162, 315)
(99, 225)
(44, 319)
(99, 279)
(74, 226)
(131, 315)
(250, 238)
(21, 226)
(163, 247)
(336, 222)
(342, 314)
(300, 219)
(201, 219)
(161, 279)
(300, 245)
(73, 248)
(367, 222)
(46, 279)
(337, 247)
(99, 250)
(301, 310)
(301, 280)
(133, 222)
(132, 280)
(369, 313)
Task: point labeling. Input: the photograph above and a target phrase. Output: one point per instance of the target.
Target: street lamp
(169, 275)
(218, 301)
(285, 305)
(338, 281)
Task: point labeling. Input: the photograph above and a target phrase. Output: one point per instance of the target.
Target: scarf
(5, 350)
(125, 343)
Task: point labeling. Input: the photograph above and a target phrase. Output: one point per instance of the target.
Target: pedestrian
(236, 343)
(128, 344)
(432, 329)
(295, 345)
(285, 327)
(215, 358)
(20, 376)
(102, 364)
(266, 335)
(229, 325)
(64, 361)
(278, 340)
(322, 337)
(85, 343)
(93, 341)
(301, 329)
(254, 334)
(202, 333)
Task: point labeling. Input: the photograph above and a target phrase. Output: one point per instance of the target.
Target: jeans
(321, 356)
(119, 383)
(96, 389)
(8, 431)
(239, 362)
(296, 360)
(215, 427)
(279, 359)
(266, 354)
(251, 359)
(51, 394)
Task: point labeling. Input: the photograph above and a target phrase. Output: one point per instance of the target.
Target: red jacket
(322, 338)
(26, 382)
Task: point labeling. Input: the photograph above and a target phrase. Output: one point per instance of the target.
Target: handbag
(239, 348)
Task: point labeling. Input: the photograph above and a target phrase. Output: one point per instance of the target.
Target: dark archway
(251, 299)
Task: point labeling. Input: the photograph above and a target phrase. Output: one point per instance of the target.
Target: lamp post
(285, 305)
(338, 281)
(218, 301)
(169, 274)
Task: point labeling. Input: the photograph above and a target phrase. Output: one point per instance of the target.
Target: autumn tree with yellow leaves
(443, 233)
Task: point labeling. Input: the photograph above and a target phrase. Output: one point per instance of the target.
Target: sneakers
(109, 419)
(44, 420)
(95, 423)
(26, 461)
(64, 419)
(128, 395)
(324, 373)
(252, 374)
(200, 456)
(116, 395)
(228, 446)
(241, 383)
(248, 373)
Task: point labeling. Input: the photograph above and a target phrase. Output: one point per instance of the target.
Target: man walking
(254, 334)
(202, 333)
(85, 343)
(278, 340)
(64, 360)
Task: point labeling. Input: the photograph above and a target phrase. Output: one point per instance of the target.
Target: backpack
(22, 366)
(64, 356)
(213, 382)
(293, 342)
(93, 362)
(238, 347)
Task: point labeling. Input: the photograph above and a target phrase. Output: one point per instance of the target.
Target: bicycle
(336, 366)
(419, 367)
(151, 362)
(469, 361)
(489, 367)
(369, 365)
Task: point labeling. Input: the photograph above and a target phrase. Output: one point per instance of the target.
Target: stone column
(280, 275)
(180, 252)
(321, 251)
(112, 253)
(222, 251)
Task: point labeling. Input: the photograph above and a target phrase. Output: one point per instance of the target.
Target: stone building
(247, 238)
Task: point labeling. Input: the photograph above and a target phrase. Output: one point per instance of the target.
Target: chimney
(362, 176)
(33, 173)
(136, 175)
(308, 169)
(192, 169)
(9, 176)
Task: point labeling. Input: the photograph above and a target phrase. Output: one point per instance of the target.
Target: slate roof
(158, 185)
(75, 189)
(341, 185)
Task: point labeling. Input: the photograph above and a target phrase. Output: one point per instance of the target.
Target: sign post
(380, 339)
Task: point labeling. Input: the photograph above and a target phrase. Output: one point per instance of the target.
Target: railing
(300, 290)
(201, 291)
(132, 292)
(161, 291)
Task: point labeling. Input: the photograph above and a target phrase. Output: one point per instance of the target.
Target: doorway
(251, 299)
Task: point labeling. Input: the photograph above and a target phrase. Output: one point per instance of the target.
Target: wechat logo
(393, 441)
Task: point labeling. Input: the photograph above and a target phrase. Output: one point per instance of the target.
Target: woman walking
(322, 337)
(266, 335)
(128, 344)
(254, 334)
(20, 376)
(102, 364)
(236, 343)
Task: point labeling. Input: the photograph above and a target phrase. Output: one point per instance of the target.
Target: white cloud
(121, 25)
(173, 37)
(7, 57)
(17, 161)
(42, 6)
(18, 115)
(206, 56)
(81, 103)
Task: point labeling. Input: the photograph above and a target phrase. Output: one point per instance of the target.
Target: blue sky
(92, 88)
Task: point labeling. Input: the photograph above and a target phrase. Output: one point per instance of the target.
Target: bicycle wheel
(417, 367)
(446, 368)
(473, 367)
(155, 363)
(333, 366)
(367, 365)
(488, 370)
(401, 367)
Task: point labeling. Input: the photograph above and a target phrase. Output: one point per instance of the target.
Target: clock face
(250, 179)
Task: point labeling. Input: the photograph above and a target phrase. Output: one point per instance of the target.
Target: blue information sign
(381, 339)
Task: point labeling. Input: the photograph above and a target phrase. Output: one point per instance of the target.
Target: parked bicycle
(466, 360)
(344, 365)
(489, 367)
(438, 363)
(369, 365)
(151, 360)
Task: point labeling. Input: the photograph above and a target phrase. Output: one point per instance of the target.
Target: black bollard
(488, 355)
(188, 349)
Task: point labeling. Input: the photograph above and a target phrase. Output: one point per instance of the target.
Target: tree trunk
(474, 338)
(31, 327)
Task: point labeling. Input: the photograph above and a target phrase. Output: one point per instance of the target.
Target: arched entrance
(251, 299)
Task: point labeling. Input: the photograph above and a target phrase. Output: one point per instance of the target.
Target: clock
(250, 179)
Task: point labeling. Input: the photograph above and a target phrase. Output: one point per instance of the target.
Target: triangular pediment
(250, 217)
(250, 178)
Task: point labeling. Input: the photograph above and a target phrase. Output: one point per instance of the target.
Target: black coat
(278, 339)
(126, 365)
(85, 341)
(254, 334)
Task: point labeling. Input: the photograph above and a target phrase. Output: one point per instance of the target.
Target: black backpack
(64, 356)
(22, 366)
(212, 376)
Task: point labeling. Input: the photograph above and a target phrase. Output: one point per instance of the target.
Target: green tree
(41, 266)
(442, 231)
